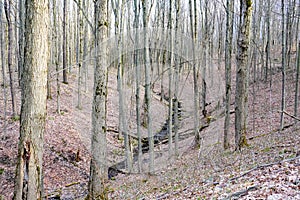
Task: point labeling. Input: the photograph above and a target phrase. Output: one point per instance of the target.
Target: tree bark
(268, 45)
(3, 72)
(137, 84)
(283, 63)
(7, 8)
(123, 127)
(80, 53)
(176, 90)
(204, 57)
(195, 79)
(98, 167)
(148, 85)
(28, 179)
(241, 96)
(55, 55)
(297, 82)
(21, 38)
(228, 56)
(65, 42)
(170, 125)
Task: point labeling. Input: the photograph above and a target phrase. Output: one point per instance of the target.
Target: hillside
(267, 169)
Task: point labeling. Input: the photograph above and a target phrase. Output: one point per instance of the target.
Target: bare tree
(3, 71)
(176, 90)
(170, 125)
(297, 82)
(283, 63)
(195, 78)
(56, 54)
(137, 84)
(80, 54)
(29, 173)
(65, 42)
(21, 37)
(228, 57)
(204, 56)
(146, 14)
(118, 8)
(268, 45)
(241, 96)
(98, 167)
(7, 8)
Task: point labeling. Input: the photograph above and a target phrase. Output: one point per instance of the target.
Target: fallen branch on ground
(57, 192)
(242, 193)
(290, 115)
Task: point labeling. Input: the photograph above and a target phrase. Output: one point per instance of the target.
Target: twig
(71, 184)
(290, 115)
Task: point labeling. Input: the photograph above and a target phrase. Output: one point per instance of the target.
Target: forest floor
(267, 169)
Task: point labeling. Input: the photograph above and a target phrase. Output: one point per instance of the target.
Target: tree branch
(292, 116)
(85, 16)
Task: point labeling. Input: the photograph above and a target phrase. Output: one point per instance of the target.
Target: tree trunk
(28, 179)
(85, 63)
(123, 127)
(98, 167)
(176, 91)
(170, 125)
(7, 8)
(268, 45)
(241, 96)
(80, 53)
(148, 85)
(137, 85)
(204, 58)
(297, 69)
(3, 72)
(283, 63)
(65, 42)
(297, 82)
(195, 79)
(55, 55)
(228, 56)
(49, 89)
(21, 38)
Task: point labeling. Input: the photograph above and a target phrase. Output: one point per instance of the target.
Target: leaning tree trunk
(241, 96)
(28, 179)
(98, 167)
